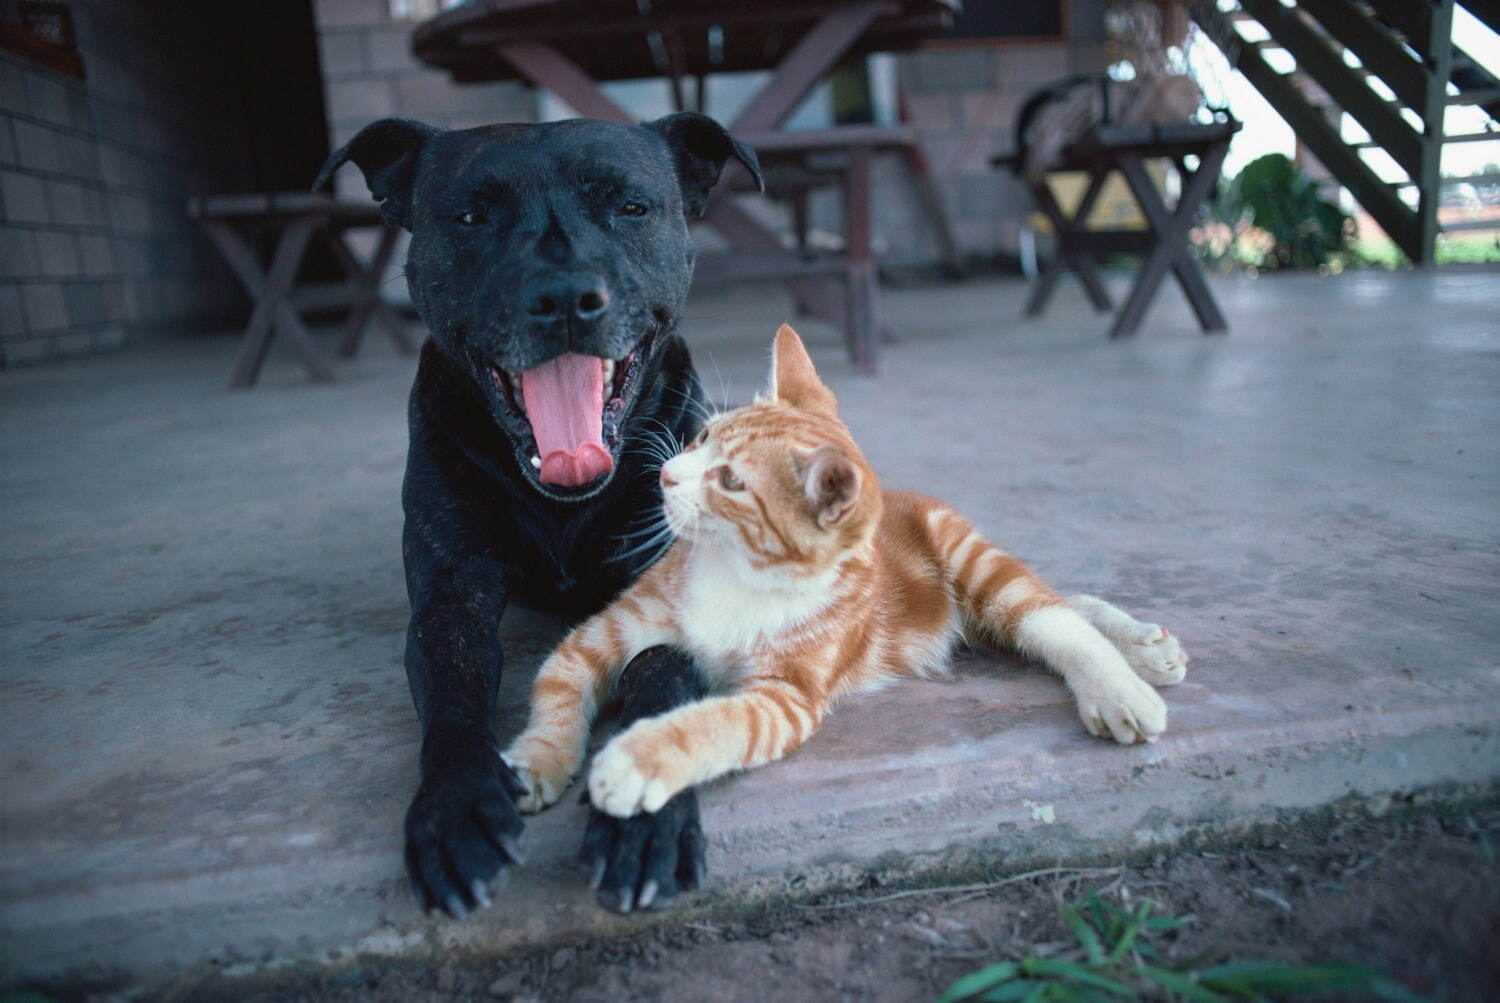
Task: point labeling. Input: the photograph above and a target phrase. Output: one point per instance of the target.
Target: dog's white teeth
(536, 463)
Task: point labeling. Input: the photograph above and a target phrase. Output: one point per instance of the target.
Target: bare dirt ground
(1415, 892)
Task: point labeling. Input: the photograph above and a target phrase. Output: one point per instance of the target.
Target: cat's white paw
(1122, 707)
(1154, 653)
(1151, 650)
(619, 787)
(545, 780)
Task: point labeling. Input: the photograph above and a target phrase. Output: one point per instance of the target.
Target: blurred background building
(113, 114)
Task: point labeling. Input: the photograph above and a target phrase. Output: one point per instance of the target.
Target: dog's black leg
(463, 827)
(642, 862)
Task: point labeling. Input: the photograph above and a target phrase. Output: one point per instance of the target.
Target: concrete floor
(207, 745)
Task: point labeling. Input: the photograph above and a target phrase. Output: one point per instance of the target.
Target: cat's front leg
(644, 766)
(564, 700)
(1113, 701)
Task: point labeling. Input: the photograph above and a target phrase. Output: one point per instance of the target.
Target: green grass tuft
(1117, 959)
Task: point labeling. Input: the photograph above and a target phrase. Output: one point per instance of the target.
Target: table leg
(1041, 289)
(256, 340)
(1169, 249)
(1068, 256)
(270, 292)
(1083, 261)
(366, 282)
(279, 283)
(862, 335)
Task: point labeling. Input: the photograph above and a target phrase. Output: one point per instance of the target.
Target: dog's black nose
(569, 296)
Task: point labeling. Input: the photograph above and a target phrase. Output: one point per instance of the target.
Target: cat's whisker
(670, 435)
(723, 388)
(660, 540)
(699, 408)
(656, 527)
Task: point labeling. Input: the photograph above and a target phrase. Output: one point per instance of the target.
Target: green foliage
(1304, 229)
(1118, 958)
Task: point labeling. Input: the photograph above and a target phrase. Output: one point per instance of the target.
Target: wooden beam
(1437, 43)
(1353, 95)
(547, 66)
(800, 70)
(1406, 16)
(1393, 215)
(1380, 51)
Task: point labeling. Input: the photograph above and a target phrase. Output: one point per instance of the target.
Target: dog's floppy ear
(387, 152)
(701, 148)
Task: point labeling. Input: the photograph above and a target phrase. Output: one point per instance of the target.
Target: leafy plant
(1116, 959)
(1302, 228)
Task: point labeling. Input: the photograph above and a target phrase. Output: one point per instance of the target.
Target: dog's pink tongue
(564, 402)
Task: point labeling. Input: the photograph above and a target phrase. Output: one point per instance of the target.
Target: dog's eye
(471, 218)
(634, 209)
(728, 481)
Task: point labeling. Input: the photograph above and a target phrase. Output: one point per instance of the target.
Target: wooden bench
(796, 163)
(234, 222)
(1164, 242)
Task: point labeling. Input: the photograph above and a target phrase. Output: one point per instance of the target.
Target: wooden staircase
(1337, 49)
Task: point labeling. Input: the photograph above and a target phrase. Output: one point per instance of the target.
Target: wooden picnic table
(570, 46)
(234, 222)
(1163, 243)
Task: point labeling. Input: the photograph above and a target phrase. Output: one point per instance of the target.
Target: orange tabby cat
(793, 580)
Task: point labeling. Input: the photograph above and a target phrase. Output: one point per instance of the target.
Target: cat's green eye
(728, 481)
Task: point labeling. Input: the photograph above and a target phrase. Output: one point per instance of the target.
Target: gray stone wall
(95, 245)
(370, 73)
(963, 103)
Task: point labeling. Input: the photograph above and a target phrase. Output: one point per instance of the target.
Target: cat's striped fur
(795, 579)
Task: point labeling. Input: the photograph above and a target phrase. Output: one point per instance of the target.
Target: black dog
(551, 264)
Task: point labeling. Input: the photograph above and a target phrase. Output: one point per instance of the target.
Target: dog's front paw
(624, 782)
(1123, 708)
(544, 770)
(1155, 654)
(644, 861)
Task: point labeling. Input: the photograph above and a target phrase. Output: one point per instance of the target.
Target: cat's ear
(832, 482)
(793, 378)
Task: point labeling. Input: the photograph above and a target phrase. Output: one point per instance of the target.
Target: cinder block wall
(370, 73)
(95, 246)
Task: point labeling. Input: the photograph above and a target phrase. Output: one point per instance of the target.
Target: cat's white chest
(729, 621)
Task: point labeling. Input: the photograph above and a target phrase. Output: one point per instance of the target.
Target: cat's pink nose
(667, 480)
